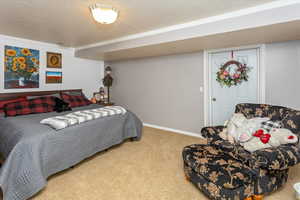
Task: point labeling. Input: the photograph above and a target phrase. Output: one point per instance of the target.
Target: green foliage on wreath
(240, 73)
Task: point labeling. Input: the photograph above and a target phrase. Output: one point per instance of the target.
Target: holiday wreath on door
(232, 73)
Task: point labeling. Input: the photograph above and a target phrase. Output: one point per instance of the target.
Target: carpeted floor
(150, 169)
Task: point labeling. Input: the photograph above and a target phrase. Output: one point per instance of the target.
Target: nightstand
(106, 104)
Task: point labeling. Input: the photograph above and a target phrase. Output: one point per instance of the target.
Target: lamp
(108, 81)
(104, 14)
(108, 70)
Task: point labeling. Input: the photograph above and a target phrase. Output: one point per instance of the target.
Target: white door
(223, 99)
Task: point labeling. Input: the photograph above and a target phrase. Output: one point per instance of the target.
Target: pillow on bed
(74, 93)
(52, 95)
(3, 102)
(32, 106)
(74, 100)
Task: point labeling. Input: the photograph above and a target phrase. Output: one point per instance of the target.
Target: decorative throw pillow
(75, 101)
(271, 125)
(61, 106)
(37, 105)
(241, 128)
(3, 102)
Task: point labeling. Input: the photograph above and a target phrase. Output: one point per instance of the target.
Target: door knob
(214, 99)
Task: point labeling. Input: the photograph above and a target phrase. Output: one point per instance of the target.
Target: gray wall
(283, 74)
(163, 91)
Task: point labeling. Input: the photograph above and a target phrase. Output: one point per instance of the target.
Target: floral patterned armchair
(223, 170)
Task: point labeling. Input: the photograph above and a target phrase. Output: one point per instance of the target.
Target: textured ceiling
(69, 22)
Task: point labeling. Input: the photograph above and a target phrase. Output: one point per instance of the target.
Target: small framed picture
(54, 60)
(53, 77)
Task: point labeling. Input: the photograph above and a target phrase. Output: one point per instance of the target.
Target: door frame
(261, 81)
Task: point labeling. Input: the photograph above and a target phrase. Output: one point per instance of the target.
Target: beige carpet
(150, 169)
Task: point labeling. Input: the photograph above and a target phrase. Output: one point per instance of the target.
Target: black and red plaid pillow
(32, 106)
(75, 101)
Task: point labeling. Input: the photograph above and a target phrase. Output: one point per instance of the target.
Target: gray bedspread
(34, 151)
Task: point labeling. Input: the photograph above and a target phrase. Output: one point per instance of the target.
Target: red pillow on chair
(75, 101)
(32, 106)
(3, 102)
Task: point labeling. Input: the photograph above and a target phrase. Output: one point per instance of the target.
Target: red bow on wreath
(264, 138)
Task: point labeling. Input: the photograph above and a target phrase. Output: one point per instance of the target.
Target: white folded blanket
(64, 121)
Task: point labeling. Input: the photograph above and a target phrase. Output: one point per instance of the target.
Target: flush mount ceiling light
(104, 14)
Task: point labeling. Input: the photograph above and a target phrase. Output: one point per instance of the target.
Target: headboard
(6, 96)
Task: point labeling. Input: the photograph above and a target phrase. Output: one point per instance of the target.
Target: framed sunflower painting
(21, 68)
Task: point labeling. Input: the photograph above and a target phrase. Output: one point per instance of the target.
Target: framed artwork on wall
(21, 67)
(53, 77)
(54, 60)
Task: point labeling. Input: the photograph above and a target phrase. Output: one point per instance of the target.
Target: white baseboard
(174, 130)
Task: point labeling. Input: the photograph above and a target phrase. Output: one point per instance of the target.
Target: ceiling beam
(184, 35)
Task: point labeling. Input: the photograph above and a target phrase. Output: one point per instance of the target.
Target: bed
(34, 151)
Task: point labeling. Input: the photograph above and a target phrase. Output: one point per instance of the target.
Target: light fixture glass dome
(104, 14)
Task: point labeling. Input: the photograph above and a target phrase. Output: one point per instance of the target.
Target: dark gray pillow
(52, 95)
(75, 93)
